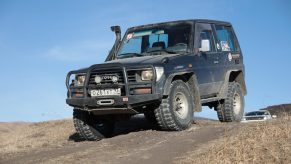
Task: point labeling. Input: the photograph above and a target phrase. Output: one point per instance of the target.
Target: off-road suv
(166, 71)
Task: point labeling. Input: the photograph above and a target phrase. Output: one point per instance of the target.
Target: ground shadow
(76, 137)
(134, 124)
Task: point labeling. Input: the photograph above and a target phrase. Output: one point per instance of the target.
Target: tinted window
(226, 38)
(257, 113)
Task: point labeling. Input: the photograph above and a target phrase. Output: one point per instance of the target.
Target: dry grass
(20, 138)
(261, 142)
(203, 123)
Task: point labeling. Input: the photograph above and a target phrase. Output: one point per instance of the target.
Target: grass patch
(260, 142)
(32, 136)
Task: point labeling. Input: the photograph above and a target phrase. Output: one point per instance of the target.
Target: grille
(102, 73)
(131, 76)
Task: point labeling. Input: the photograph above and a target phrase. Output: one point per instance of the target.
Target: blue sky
(40, 41)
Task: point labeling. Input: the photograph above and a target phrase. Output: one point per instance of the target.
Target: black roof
(212, 21)
(183, 21)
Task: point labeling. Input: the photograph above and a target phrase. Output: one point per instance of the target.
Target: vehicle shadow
(134, 124)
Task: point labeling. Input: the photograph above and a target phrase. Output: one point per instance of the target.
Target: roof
(182, 21)
(212, 21)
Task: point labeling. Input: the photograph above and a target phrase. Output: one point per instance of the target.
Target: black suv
(166, 71)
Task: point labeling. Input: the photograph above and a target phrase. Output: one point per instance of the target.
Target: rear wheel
(176, 111)
(232, 108)
(91, 127)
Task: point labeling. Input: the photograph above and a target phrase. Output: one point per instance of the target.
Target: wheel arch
(239, 77)
(191, 80)
(234, 76)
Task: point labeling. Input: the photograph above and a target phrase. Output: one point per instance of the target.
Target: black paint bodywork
(207, 75)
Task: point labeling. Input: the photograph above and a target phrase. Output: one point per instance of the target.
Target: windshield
(164, 39)
(256, 113)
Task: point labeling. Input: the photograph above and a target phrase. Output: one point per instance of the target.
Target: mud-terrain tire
(176, 111)
(91, 127)
(232, 108)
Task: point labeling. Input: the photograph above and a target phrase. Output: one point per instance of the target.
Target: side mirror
(205, 45)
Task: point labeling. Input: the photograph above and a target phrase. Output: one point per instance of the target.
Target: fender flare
(192, 82)
(240, 79)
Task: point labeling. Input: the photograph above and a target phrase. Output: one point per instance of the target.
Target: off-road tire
(167, 114)
(232, 108)
(91, 127)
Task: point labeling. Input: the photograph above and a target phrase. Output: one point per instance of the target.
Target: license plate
(106, 92)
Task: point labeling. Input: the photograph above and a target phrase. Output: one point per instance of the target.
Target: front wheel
(91, 127)
(232, 108)
(176, 111)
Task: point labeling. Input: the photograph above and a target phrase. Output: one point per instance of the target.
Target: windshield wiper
(128, 55)
(162, 50)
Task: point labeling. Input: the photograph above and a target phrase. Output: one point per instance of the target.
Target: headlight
(147, 75)
(159, 72)
(79, 79)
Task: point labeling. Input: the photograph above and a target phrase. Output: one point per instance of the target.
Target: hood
(142, 60)
(145, 60)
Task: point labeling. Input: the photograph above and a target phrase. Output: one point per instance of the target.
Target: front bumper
(128, 102)
(119, 101)
(122, 104)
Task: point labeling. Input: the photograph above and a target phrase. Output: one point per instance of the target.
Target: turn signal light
(139, 91)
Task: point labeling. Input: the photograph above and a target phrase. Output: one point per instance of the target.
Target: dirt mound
(261, 142)
(279, 110)
(134, 141)
(137, 141)
(7, 127)
(22, 137)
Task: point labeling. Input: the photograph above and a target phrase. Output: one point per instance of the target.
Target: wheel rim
(181, 105)
(236, 103)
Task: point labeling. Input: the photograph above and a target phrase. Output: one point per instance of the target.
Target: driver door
(207, 60)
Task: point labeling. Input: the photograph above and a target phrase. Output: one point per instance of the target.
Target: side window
(225, 38)
(207, 35)
(204, 32)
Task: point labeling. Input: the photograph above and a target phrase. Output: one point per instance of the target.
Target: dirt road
(135, 141)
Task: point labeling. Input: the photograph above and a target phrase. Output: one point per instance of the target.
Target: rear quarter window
(226, 39)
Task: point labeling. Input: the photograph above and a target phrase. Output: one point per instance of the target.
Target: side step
(207, 100)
